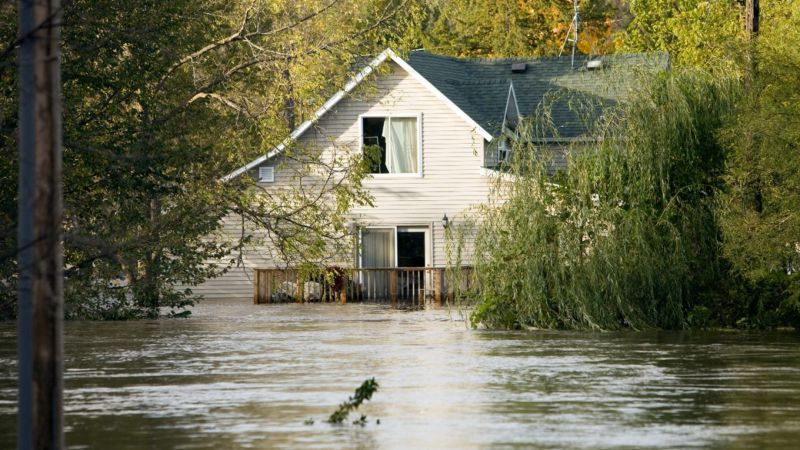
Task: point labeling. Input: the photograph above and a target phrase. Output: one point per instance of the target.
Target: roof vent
(266, 174)
(518, 67)
(594, 65)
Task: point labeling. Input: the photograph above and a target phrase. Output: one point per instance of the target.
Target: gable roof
(478, 90)
(480, 87)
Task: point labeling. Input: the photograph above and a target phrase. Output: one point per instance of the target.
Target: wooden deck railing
(414, 286)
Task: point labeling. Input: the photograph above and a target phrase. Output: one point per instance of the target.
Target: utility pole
(40, 345)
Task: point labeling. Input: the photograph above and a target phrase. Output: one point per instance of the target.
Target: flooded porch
(409, 286)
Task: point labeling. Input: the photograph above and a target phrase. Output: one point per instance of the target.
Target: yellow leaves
(507, 28)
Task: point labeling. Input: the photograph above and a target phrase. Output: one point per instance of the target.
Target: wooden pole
(40, 296)
(269, 287)
(343, 291)
(393, 287)
(301, 288)
(437, 286)
(256, 285)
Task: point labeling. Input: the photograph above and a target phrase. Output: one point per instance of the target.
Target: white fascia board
(388, 53)
(417, 76)
(513, 94)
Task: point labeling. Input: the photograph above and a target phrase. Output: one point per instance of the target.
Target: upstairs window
(395, 141)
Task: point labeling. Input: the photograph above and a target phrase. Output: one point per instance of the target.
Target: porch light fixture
(445, 221)
(352, 228)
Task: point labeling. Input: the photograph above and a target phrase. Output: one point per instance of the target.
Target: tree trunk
(40, 352)
(751, 17)
(150, 290)
(289, 103)
(751, 25)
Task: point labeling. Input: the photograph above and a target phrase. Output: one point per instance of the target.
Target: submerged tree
(626, 235)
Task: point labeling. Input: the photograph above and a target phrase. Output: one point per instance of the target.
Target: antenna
(572, 33)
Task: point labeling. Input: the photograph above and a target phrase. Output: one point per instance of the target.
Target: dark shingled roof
(480, 86)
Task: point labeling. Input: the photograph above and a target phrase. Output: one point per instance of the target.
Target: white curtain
(377, 247)
(401, 144)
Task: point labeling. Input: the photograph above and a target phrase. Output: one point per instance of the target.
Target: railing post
(262, 279)
(301, 288)
(393, 286)
(269, 286)
(438, 278)
(255, 286)
(260, 287)
(343, 291)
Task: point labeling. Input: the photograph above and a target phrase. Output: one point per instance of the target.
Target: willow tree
(626, 236)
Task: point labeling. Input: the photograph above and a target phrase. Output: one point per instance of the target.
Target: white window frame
(387, 115)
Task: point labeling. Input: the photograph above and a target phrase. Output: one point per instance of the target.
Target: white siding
(452, 157)
(237, 282)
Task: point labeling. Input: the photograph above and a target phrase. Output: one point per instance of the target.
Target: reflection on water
(243, 376)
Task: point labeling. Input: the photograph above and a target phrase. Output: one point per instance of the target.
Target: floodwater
(237, 375)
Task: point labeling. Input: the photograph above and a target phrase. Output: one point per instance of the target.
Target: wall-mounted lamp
(445, 221)
(352, 227)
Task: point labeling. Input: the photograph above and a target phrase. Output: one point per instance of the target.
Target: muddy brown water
(237, 375)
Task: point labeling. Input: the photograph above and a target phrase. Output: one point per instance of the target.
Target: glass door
(377, 248)
(412, 247)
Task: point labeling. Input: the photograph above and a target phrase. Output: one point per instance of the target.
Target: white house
(440, 123)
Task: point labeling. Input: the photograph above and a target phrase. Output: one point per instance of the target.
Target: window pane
(373, 139)
(401, 144)
(377, 247)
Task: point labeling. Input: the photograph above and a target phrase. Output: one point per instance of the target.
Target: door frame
(426, 228)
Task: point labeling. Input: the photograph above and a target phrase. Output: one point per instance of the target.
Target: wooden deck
(414, 286)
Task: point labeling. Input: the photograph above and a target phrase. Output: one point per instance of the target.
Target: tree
(695, 33)
(626, 235)
(161, 100)
(489, 28)
(761, 223)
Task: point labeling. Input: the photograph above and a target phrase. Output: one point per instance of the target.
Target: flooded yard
(237, 375)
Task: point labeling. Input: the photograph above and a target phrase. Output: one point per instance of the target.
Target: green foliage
(695, 33)
(626, 237)
(492, 28)
(789, 307)
(760, 207)
(700, 318)
(8, 166)
(362, 394)
(161, 100)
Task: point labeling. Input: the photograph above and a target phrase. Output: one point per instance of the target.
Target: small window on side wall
(395, 142)
(266, 174)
